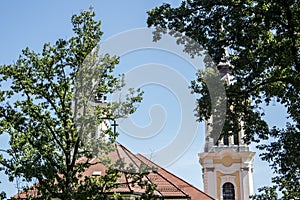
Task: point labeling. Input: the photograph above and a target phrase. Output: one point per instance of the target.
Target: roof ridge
(162, 175)
(127, 183)
(172, 184)
(174, 175)
(136, 156)
(185, 182)
(128, 151)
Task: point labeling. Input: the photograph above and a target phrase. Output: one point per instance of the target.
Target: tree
(45, 109)
(262, 38)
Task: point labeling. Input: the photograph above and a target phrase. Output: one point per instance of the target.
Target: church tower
(227, 163)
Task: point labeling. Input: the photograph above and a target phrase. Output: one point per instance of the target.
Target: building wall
(228, 166)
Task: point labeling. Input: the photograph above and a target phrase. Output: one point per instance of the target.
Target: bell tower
(227, 164)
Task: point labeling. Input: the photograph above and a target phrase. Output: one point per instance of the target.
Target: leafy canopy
(50, 110)
(263, 41)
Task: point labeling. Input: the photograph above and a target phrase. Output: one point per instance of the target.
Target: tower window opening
(226, 140)
(228, 191)
(236, 138)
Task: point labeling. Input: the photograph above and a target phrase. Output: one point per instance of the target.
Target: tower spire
(227, 162)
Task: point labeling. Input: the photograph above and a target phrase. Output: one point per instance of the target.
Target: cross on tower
(114, 125)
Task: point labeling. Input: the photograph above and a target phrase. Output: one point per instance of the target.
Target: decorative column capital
(209, 169)
(245, 169)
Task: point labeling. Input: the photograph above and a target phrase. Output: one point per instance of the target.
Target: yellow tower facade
(227, 164)
(228, 174)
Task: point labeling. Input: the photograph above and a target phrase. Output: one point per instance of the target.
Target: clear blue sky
(31, 23)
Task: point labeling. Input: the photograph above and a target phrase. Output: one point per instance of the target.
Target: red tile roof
(168, 185)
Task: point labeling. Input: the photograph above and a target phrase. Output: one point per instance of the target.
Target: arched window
(228, 191)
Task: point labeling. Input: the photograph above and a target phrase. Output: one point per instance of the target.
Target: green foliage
(263, 42)
(2, 195)
(267, 193)
(46, 111)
